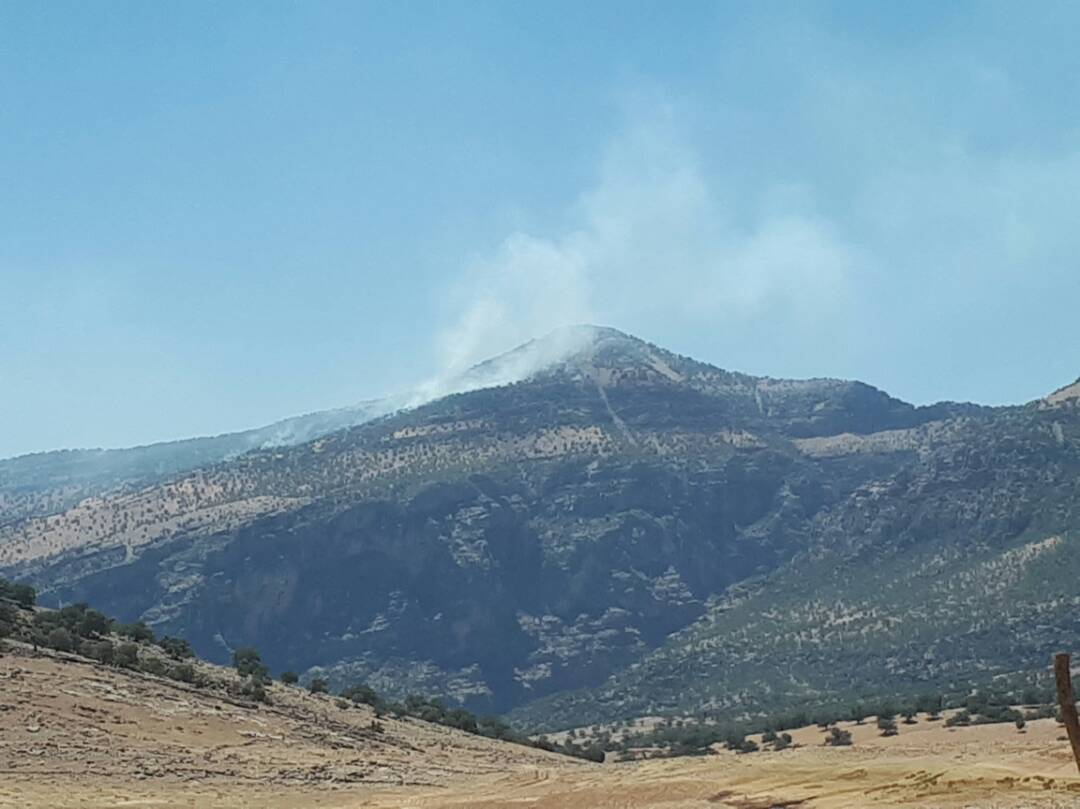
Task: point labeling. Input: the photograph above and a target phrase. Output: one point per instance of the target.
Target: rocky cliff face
(624, 530)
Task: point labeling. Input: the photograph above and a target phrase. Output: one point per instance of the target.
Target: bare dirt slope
(74, 734)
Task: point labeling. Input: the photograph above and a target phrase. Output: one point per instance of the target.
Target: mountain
(48, 483)
(621, 530)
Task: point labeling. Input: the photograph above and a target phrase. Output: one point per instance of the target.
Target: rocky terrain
(623, 531)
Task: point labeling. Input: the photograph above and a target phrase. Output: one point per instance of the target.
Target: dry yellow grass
(74, 734)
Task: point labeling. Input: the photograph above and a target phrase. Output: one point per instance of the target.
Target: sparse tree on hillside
(838, 737)
(126, 655)
(60, 639)
(176, 648)
(138, 632)
(248, 663)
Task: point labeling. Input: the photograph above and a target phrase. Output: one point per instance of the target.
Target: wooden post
(1067, 701)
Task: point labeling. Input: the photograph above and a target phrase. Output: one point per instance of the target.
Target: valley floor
(73, 734)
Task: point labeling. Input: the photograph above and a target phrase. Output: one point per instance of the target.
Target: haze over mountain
(44, 483)
(620, 531)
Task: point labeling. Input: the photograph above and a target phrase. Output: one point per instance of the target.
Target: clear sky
(214, 215)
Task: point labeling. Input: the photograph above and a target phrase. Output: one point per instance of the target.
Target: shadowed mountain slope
(613, 533)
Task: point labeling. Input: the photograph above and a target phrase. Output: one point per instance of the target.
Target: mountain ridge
(510, 544)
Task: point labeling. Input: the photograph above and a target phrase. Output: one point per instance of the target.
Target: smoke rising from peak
(650, 241)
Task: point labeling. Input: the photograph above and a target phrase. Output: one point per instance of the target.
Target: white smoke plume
(651, 240)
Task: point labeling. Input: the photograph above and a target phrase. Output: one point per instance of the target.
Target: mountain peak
(594, 351)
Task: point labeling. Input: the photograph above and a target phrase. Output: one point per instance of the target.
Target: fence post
(1067, 701)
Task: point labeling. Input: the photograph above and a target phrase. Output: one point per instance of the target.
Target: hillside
(80, 734)
(46, 483)
(621, 532)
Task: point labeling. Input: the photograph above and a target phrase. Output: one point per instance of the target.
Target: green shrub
(184, 672)
(126, 655)
(248, 663)
(887, 726)
(22, 594)
(151, 664)
(176, 648)
(254, 689)
(138, 632)
(9, 620)
(290, 677)
(318, 685)
(838, 737)
(961, 719)
(101, 650)
(361, 694)
(60, 639)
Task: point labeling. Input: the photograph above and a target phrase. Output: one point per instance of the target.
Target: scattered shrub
(126, 655)
(249, 664)
(60, 640)
(254, 689)
(101, 650)
(887, 726)
(152, 664)
(138, 632)
(838, 737)
(176, 648)
(361, 694)
(184, 672)
(23, 595)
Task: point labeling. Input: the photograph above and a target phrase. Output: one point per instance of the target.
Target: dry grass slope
(76, 734)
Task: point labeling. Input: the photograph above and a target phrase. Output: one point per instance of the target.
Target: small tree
(255, 690)
(138, 632)
(365, 694)
(9, 618)
(887, 726)
(126, 655)
(100, 650)
(176, 648)
(1020, 724)
(838, 737)
(249, 664)
(318, 685)
(23, 594)
(59, 639)
(290, 677)
(154, 665)
(184, 672)
(93, 624)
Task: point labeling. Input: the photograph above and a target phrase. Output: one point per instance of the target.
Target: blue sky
(215, 215)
